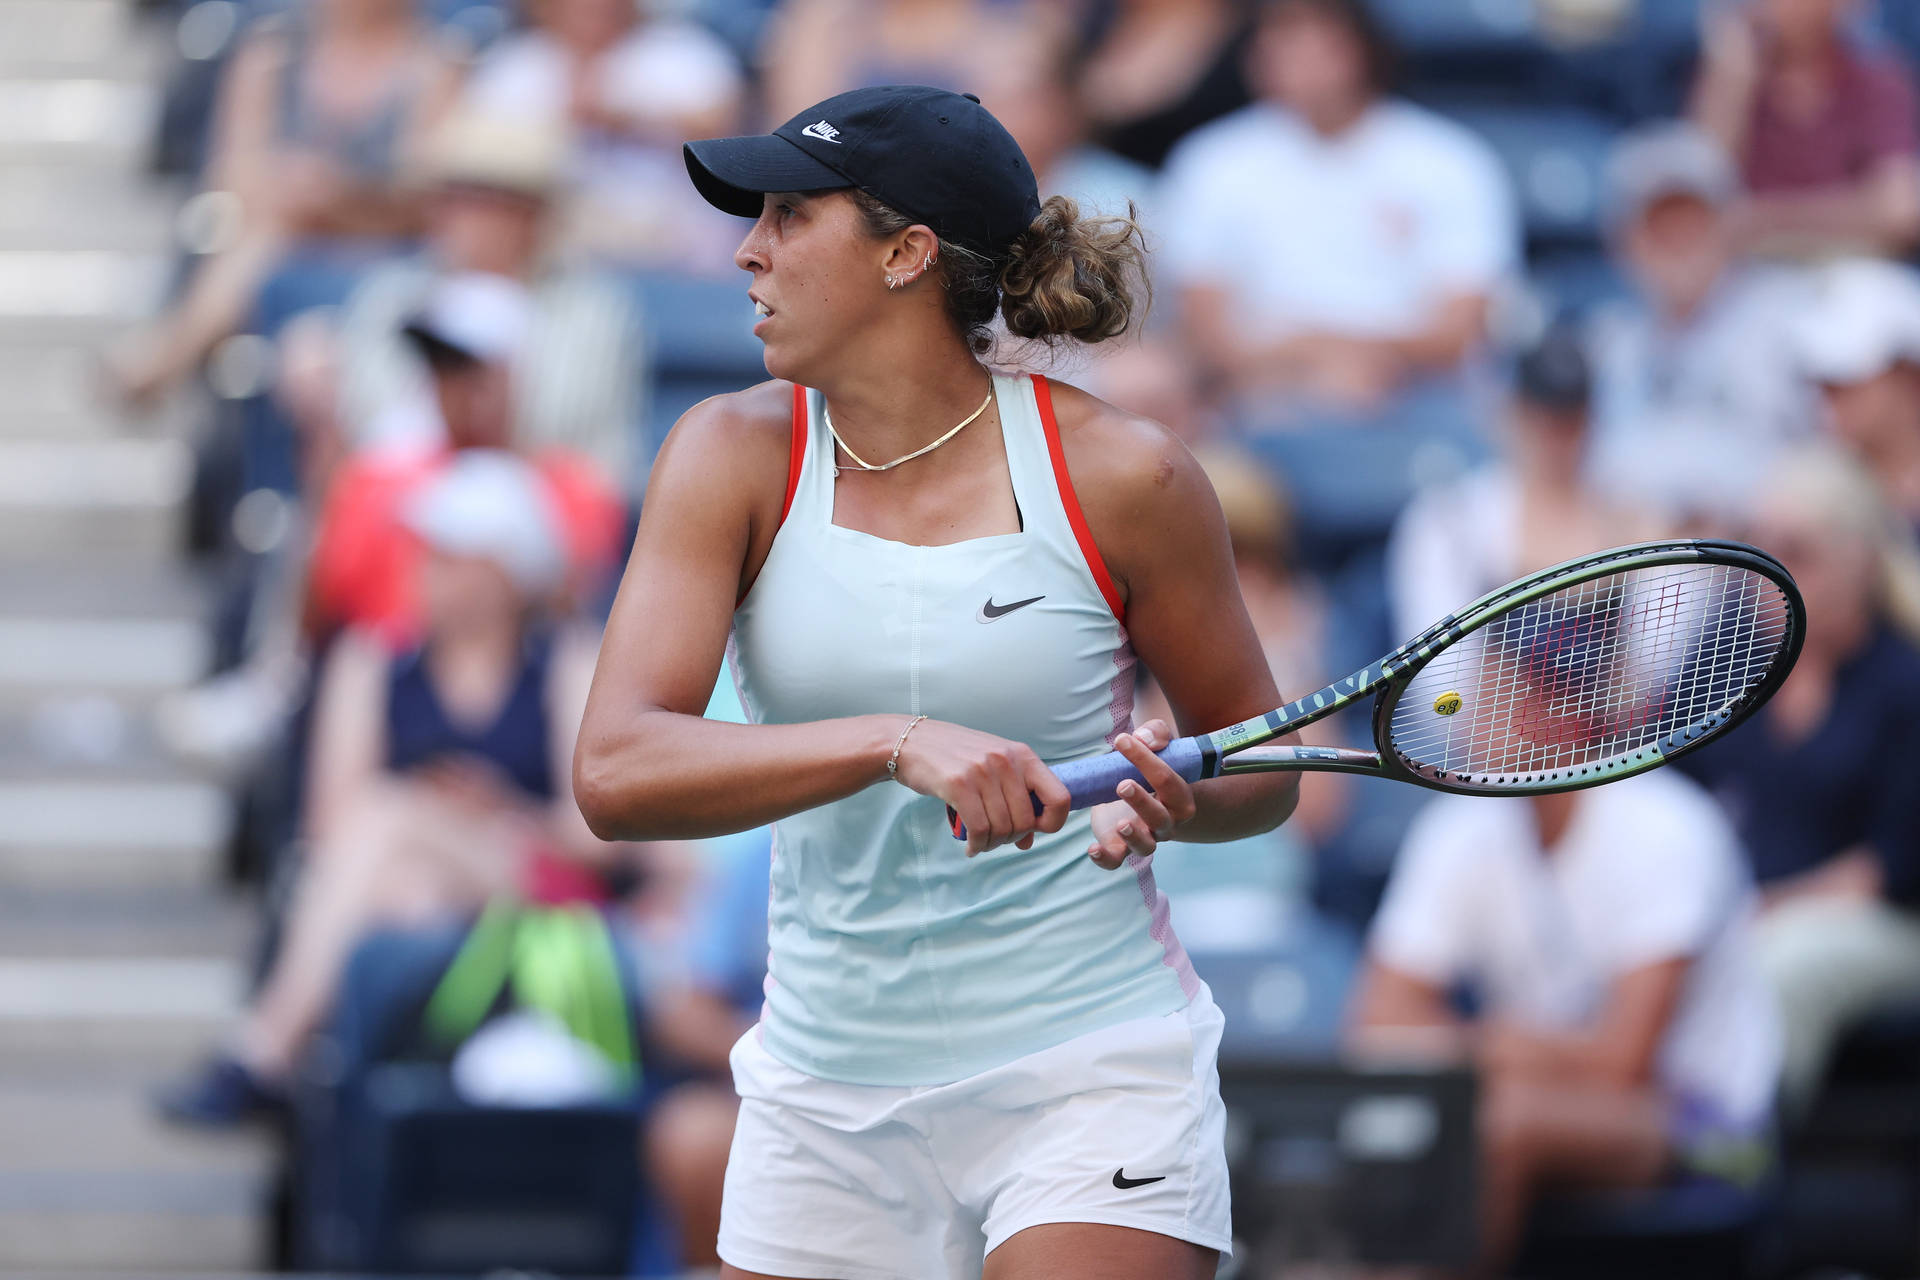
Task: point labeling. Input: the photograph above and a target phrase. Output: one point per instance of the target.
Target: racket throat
(1302, 760)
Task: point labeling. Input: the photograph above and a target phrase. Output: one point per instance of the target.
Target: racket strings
(1598, 670)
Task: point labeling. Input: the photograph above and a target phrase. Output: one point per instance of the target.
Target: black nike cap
(937, 156)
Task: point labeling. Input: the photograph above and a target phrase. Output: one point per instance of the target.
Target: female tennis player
(933, 580)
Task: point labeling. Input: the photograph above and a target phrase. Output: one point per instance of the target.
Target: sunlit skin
(1677, 249)
(1315, 65)
(484, 229)
(1803, 25)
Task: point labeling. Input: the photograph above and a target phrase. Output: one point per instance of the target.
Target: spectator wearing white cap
(1695, 384)
(432, 782)
(1859, 343)
(472, 333)
(497, 184)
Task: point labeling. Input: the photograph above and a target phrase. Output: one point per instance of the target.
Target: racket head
(1592, 671)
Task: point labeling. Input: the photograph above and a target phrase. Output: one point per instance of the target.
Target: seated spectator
(1531, 508)
(629, 89)
(472, 334)
(1696, 368)
(438, 771)
(1152, 71)
(1822, 786)
(817, 48)
(317, 115)
(1859, 343)
(1825, 131)
(495, 185)
(1623, 1032)
(1329, 243)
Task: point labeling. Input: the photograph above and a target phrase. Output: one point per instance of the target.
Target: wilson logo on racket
(1588, 672)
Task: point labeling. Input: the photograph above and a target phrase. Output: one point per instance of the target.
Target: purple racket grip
(1094, 780)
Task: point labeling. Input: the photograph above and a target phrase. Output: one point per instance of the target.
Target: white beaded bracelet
(893, 763)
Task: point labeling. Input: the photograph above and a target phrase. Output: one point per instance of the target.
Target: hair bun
(1074, 277)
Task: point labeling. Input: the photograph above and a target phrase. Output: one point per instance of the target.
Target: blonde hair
(1842, 494)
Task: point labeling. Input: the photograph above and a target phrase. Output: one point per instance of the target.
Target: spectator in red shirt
(1825, 131)
(365, 564)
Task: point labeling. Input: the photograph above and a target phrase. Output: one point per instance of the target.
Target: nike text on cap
(936, 156)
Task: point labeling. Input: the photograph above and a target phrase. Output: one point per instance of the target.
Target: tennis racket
(1584, 673)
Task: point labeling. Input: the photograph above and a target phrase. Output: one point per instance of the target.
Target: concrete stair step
(98, 37)
(66, 834)
(164, 1224)
(104, 655)
(48, 380)
(83, 207)
(163, 1012)
(77, 497)
(79, 284)
(47, 1127)
(108, 923)
(55, 586)
(70, 118)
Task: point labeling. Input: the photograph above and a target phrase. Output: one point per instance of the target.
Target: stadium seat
(1506, 52)
(1286, 1001)
(393, 1173)
(1576, 281)
(1697, 1230)
(440, 1186)
(1349, 475)
(699, 343)
(1557, 159)
(1491, 35)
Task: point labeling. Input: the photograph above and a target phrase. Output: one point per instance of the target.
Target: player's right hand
(990, 782)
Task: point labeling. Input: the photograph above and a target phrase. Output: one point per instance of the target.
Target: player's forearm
(671, 776)
(1233, 808)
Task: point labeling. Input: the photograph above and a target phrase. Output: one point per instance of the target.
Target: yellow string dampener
(1447, 703)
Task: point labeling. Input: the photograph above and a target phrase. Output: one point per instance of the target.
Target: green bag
(558, 960)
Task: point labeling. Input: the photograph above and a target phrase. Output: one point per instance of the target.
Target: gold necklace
(863, 465)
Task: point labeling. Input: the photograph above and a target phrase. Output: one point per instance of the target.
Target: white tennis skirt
(1122, 1126)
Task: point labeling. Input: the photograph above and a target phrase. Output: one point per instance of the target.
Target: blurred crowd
(1436, 305)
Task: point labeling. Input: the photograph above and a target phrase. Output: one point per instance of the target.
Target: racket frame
(1238, 748)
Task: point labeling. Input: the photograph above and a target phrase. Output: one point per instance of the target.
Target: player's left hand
(1143, 816)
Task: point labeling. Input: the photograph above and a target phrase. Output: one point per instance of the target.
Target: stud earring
(893, 282)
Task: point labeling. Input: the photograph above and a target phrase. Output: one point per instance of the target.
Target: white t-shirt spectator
(1453, 543)
(1689, 419)
(661, 70)
(1364, 234)
(1647, 871)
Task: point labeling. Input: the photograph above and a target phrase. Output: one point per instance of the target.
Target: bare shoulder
(1123, 465)
(1149, 506)
(736, 443)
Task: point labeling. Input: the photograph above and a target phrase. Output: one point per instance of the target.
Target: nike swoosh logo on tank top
(990, 611)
